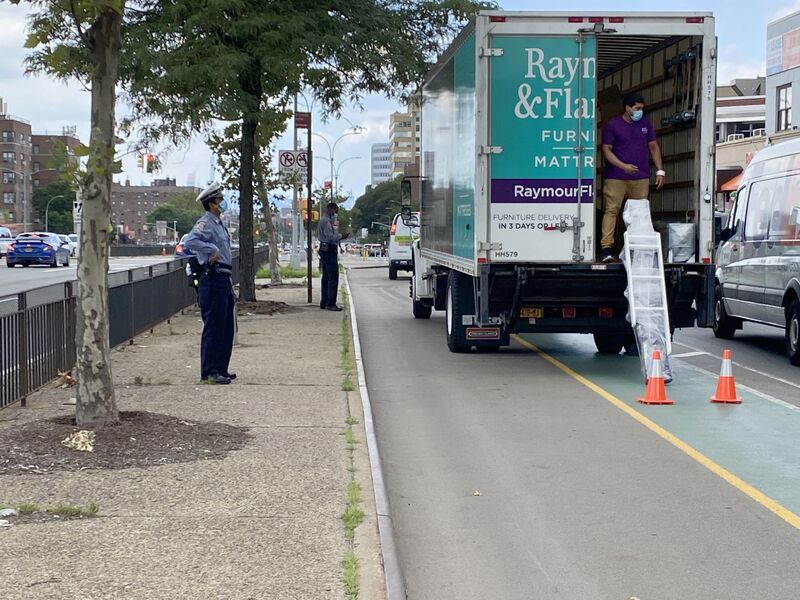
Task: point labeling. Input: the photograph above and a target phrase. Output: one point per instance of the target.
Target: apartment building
(43, 151)
(404, 140)
(131, 206)
(15, 168)
(381, 163)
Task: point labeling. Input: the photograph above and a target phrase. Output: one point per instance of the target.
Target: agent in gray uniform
(329, 240)
(211, 242)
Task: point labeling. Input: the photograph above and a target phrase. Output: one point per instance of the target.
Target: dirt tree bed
(141, 439)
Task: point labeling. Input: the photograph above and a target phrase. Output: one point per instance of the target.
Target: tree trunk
(96, 405)
(272, 235)
(247, 272)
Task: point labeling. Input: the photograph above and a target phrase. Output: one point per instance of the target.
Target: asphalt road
(510, 479)
(20, 279)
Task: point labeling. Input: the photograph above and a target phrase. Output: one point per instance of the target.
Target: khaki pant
(615, 192)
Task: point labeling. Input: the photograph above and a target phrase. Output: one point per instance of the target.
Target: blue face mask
(637, 115)
(223, 206)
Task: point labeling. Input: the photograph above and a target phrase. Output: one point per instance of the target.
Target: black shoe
(608, 255)
(231, 376)
(334, 307)
(217, 380)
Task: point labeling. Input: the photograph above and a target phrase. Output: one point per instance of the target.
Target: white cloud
(785, 10)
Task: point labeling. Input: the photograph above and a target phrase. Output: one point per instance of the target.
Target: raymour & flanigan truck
(511, 176)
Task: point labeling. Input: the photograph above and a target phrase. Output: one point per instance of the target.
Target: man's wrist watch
(661, 173)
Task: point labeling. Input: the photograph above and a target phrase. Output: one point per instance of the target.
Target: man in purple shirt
(629, 141)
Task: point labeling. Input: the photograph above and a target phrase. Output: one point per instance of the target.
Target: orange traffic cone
(726, 387)
(656, 391)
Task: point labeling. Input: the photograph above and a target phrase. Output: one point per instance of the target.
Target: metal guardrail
(37, 327)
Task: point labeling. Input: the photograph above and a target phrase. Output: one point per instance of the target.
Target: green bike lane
(753, 445)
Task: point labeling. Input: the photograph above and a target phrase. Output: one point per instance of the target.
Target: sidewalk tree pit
(140, 439)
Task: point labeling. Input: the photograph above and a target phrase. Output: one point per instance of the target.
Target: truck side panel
(448, 156)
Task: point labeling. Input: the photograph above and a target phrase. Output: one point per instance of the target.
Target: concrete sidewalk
(264, 522)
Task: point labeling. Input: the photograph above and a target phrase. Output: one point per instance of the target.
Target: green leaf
(81, 150)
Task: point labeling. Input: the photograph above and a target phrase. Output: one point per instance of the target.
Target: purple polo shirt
(628, 142)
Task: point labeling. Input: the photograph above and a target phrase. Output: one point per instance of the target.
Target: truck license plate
(531, 313)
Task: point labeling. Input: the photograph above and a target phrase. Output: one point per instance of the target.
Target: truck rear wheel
(609, 343)
(793, 332)
(459, 302)
(392, 272)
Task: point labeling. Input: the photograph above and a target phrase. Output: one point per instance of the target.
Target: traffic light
(151, 163)
(140, 160)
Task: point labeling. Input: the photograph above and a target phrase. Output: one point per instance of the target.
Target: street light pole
(47, 212)
(332, 149)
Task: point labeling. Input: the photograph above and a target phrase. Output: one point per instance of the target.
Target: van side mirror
(405, 192)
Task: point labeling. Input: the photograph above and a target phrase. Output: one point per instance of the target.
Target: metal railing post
(22, 307)
(132, 316)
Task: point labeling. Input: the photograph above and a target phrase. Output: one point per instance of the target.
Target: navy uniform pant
(216, 306)
(330, 278)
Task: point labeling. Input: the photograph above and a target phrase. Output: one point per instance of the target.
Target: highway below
(20, 279)
(533, 473)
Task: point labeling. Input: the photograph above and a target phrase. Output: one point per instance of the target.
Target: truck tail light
(706, 261)
(574, 19)
(569, 312)
(605, 312)
(616, 19)
(595, 19)
(695, 19)
(497, 19)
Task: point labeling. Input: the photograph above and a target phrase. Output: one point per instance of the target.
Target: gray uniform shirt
(209, 237)
(326, 231)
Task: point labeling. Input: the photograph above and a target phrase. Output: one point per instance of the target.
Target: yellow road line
(744, 487)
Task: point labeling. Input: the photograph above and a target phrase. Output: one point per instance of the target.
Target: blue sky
(741, 29)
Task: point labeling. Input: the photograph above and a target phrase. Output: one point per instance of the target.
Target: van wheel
(724, 326)
(458, 303)
(392, 272)
(793, 332)
(609, 343)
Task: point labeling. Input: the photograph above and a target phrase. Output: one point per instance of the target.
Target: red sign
(302, 120)
(328, 185)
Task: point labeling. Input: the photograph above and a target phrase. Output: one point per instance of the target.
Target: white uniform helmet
(212, 191)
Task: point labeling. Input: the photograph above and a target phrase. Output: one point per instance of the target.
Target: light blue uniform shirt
(326, 231)
(209, 237)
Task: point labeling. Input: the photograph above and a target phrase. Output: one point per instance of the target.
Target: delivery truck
(511, 174)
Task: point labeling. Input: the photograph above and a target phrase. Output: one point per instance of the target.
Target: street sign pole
(310, 206)
(294, 260)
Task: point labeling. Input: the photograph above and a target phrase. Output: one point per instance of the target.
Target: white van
(401, 237)
(5, 239)
(758, 263)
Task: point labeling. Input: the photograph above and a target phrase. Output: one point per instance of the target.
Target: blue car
(37, 248)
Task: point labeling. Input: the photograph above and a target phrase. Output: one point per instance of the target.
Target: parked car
(6, 238)
(181, 249)
(38, 248)
(73, 244)
(758, 261)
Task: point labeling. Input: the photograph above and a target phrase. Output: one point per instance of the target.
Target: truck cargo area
(510, 234)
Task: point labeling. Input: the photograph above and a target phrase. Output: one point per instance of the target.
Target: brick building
(42, 152)
(15, 168)
(131, 206)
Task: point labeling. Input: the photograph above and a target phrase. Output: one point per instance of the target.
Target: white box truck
(511, 173)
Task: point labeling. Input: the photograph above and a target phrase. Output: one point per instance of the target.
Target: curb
(395, 586)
